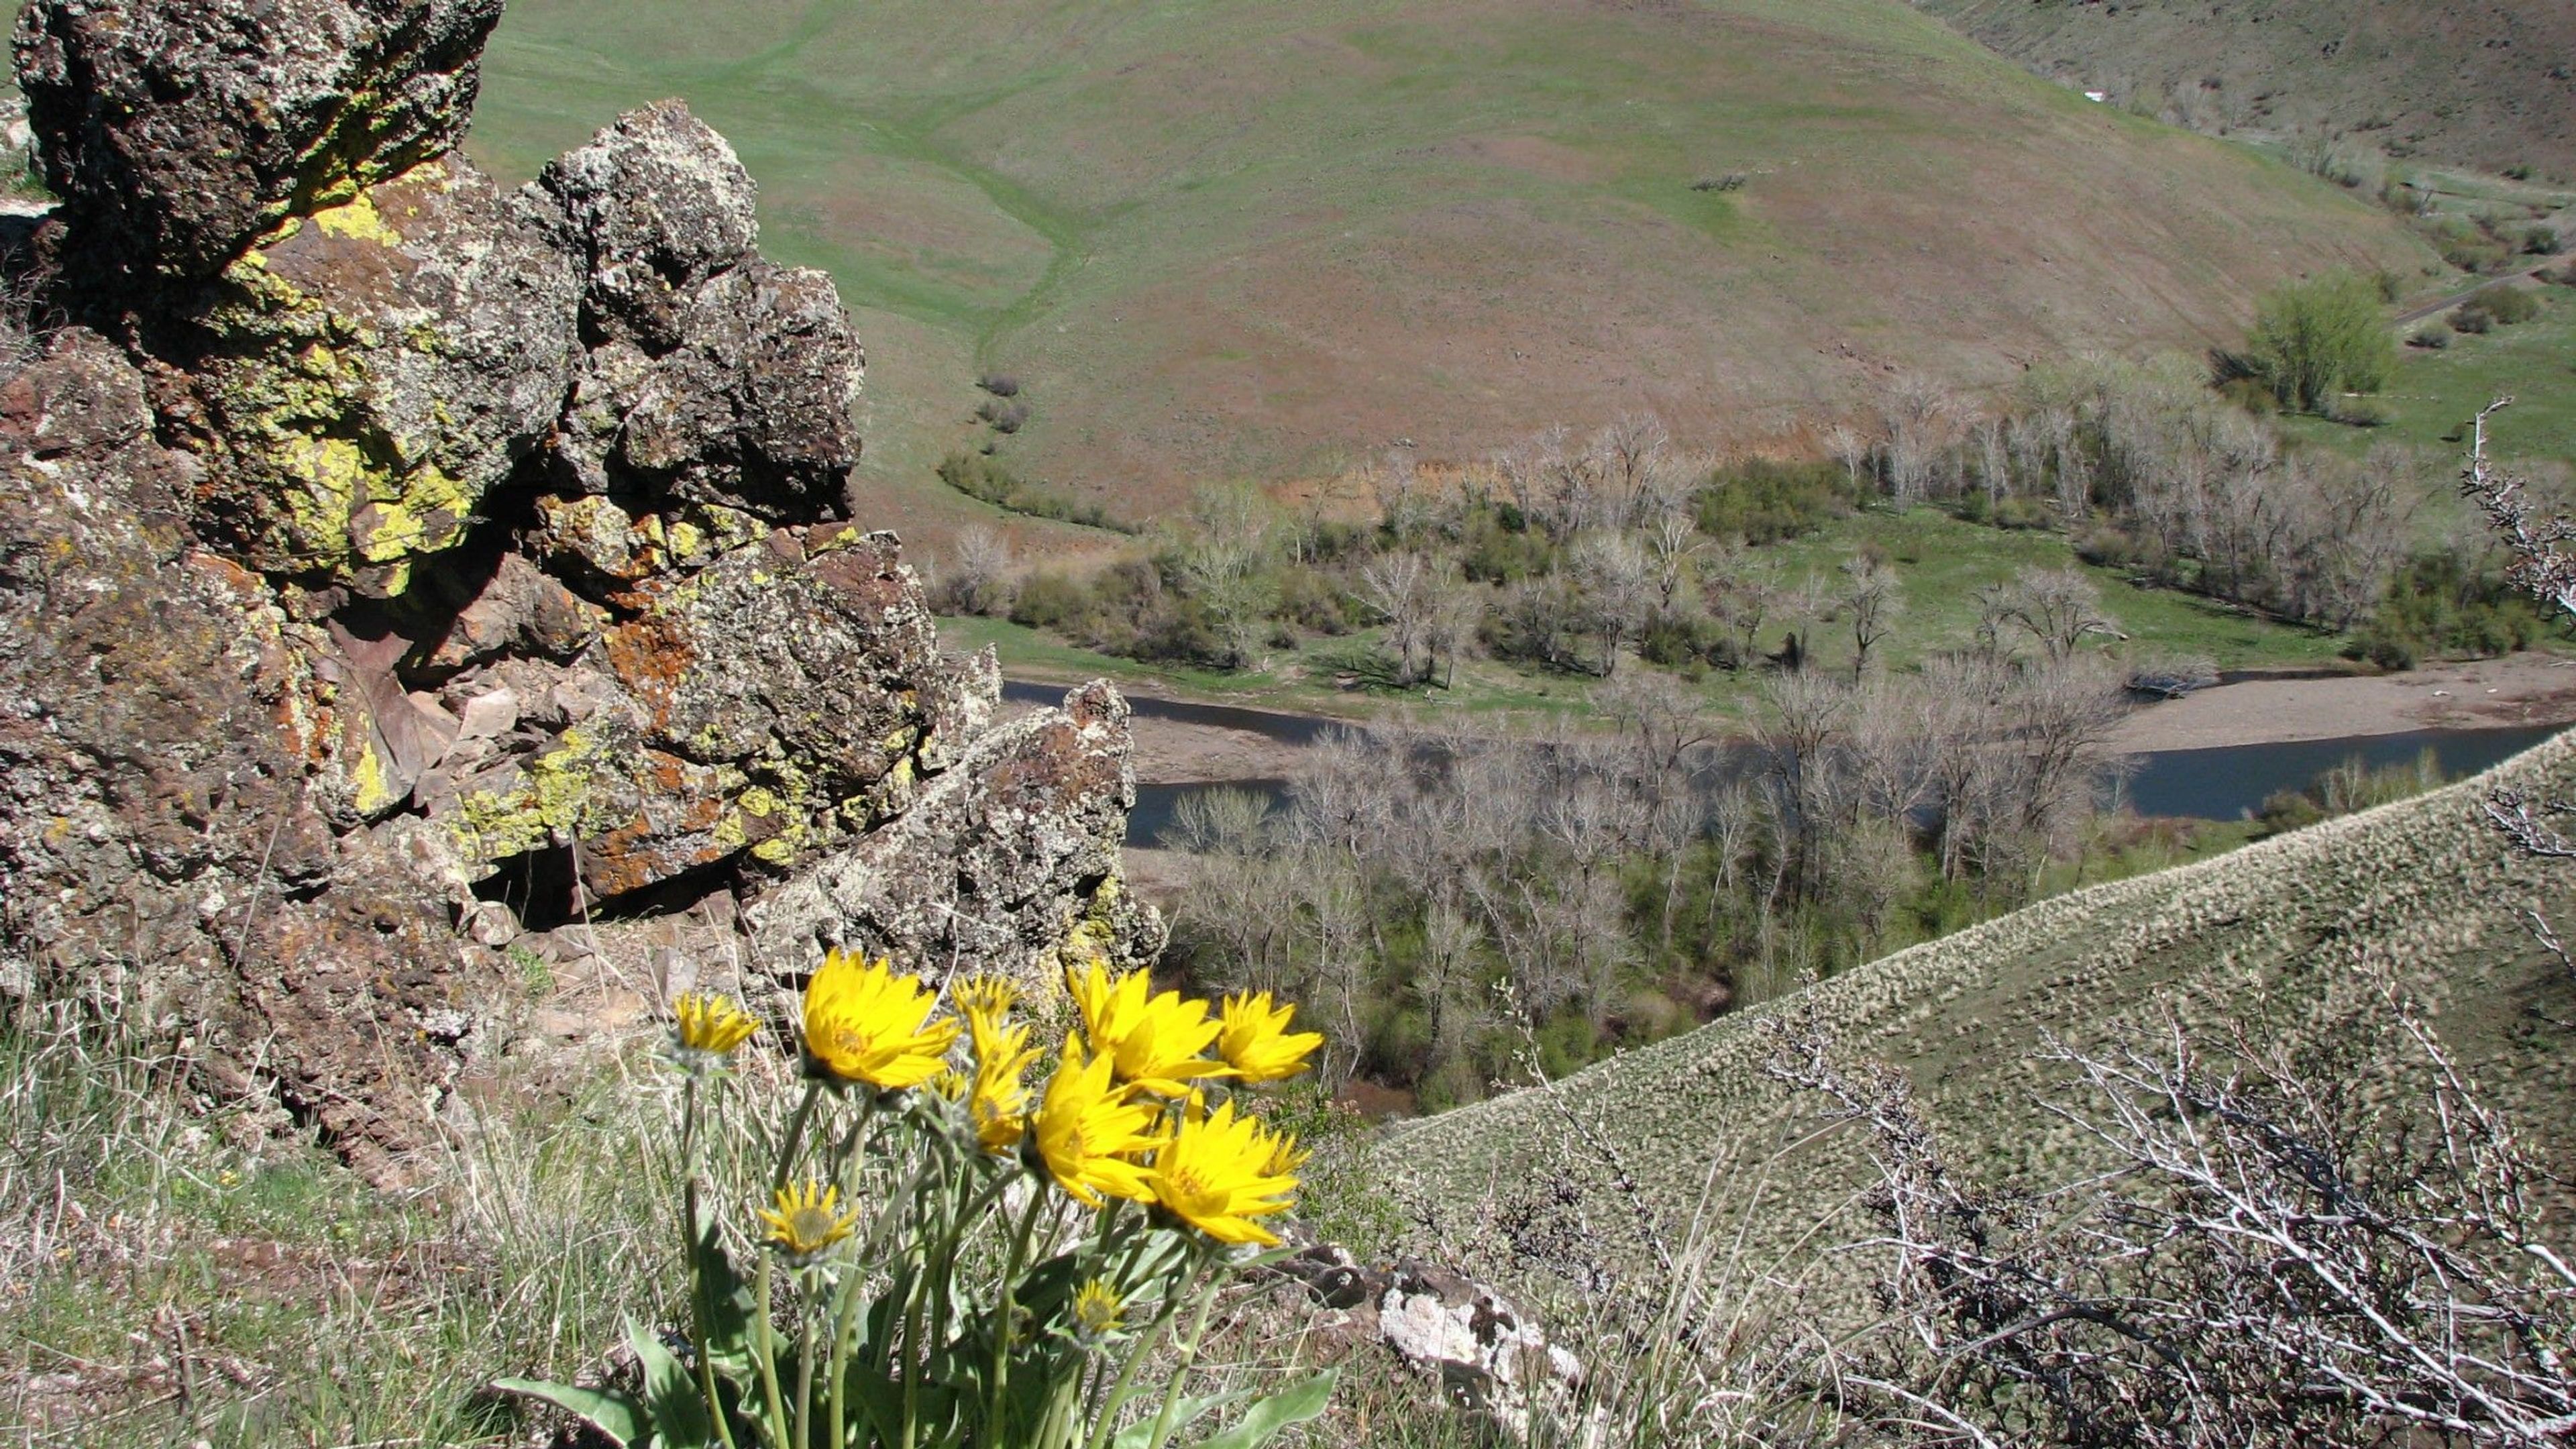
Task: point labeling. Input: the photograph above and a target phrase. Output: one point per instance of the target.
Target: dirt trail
(2414, 315)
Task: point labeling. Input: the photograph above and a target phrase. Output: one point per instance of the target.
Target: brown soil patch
(1531, 154)
(2521, 689)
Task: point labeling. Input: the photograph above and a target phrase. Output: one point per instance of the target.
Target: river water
(2225, 783)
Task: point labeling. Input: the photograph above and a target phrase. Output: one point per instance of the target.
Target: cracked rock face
(176, 133)
(711, 375)
(157, 834)
(360, 377)
(393, 569)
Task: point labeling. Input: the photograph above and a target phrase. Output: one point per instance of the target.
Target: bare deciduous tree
(1871, 599)
(2264, 1255)
(2058, 607)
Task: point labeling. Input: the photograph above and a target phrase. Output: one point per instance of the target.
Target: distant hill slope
(2483, 83)
(2269, 939)
(1220, 237)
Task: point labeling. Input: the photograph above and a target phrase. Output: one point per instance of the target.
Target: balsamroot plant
(928, 1249)
(2279, 1251)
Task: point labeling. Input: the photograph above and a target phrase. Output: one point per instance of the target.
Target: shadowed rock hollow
(395, 569)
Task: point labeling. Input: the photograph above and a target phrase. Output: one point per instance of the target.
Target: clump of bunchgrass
(921, 1246)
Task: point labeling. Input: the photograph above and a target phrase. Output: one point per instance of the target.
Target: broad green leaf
(617, 1415)
(679, 1412)
(1185, 1413)
(728, 1306)
(1289, 1407)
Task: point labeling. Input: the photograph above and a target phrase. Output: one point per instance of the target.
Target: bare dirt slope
(1268, 240)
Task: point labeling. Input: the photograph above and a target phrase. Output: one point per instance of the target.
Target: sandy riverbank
(2520, 689)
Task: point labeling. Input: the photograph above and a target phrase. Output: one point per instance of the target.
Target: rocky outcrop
(158, 838)
(393, 566)
(178, 133)
(1009, 857)
(361, 376)
(711, 375)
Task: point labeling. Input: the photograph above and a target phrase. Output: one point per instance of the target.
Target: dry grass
(171, 1276)
(2271, 939)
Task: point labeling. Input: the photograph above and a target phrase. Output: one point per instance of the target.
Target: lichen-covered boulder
(714, 376)
(358, 379)
(780, 699)
(654, 206)
(176, 131)
(157, 837)
(1009, 861)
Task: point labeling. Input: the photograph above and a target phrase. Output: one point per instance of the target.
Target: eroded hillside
(2469, 82)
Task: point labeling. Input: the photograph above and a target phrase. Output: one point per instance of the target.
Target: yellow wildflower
(1286, 1156)
(807, 1221)
(706, 1029)
(864, 1023)
(1215, 1175)
(952, 1084)
(1254, 1039)
(989, 998)
(999, 1102)
(1097, 1311)
(1086, 1130)
(1154, 1044)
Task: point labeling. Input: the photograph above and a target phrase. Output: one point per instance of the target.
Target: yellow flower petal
(1215, 1174)
(864, 1023)
(1154, 1043)
(1253, 1038)
(1086, 1131)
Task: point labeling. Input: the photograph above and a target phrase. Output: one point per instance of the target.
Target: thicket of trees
(1573, 555)
(1425, 893)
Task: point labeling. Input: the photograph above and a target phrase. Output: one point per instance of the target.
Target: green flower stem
(690, 1219)
(768, 1355)
(1189, 1351)
(1105, 1413)
(795, 1136)
(1008, 1301)
(808, 1324)
(844, 1312)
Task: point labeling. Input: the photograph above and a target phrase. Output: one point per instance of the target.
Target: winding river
(2224, 783)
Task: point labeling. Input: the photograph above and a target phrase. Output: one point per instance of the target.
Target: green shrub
(2314, 339)
(2543, 241)
(2358, 412)
(2508, 305)
(2432, 336)
(1049, 600)
(2472, 318)
(979, 476)
(1764, 501)
(2442, 606)
(1310, 599)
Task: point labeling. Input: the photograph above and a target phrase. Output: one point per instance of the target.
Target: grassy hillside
(2270, 939)
(1221, 238)
(2484, 83)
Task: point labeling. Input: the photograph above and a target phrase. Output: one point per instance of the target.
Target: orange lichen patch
(651, 656)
